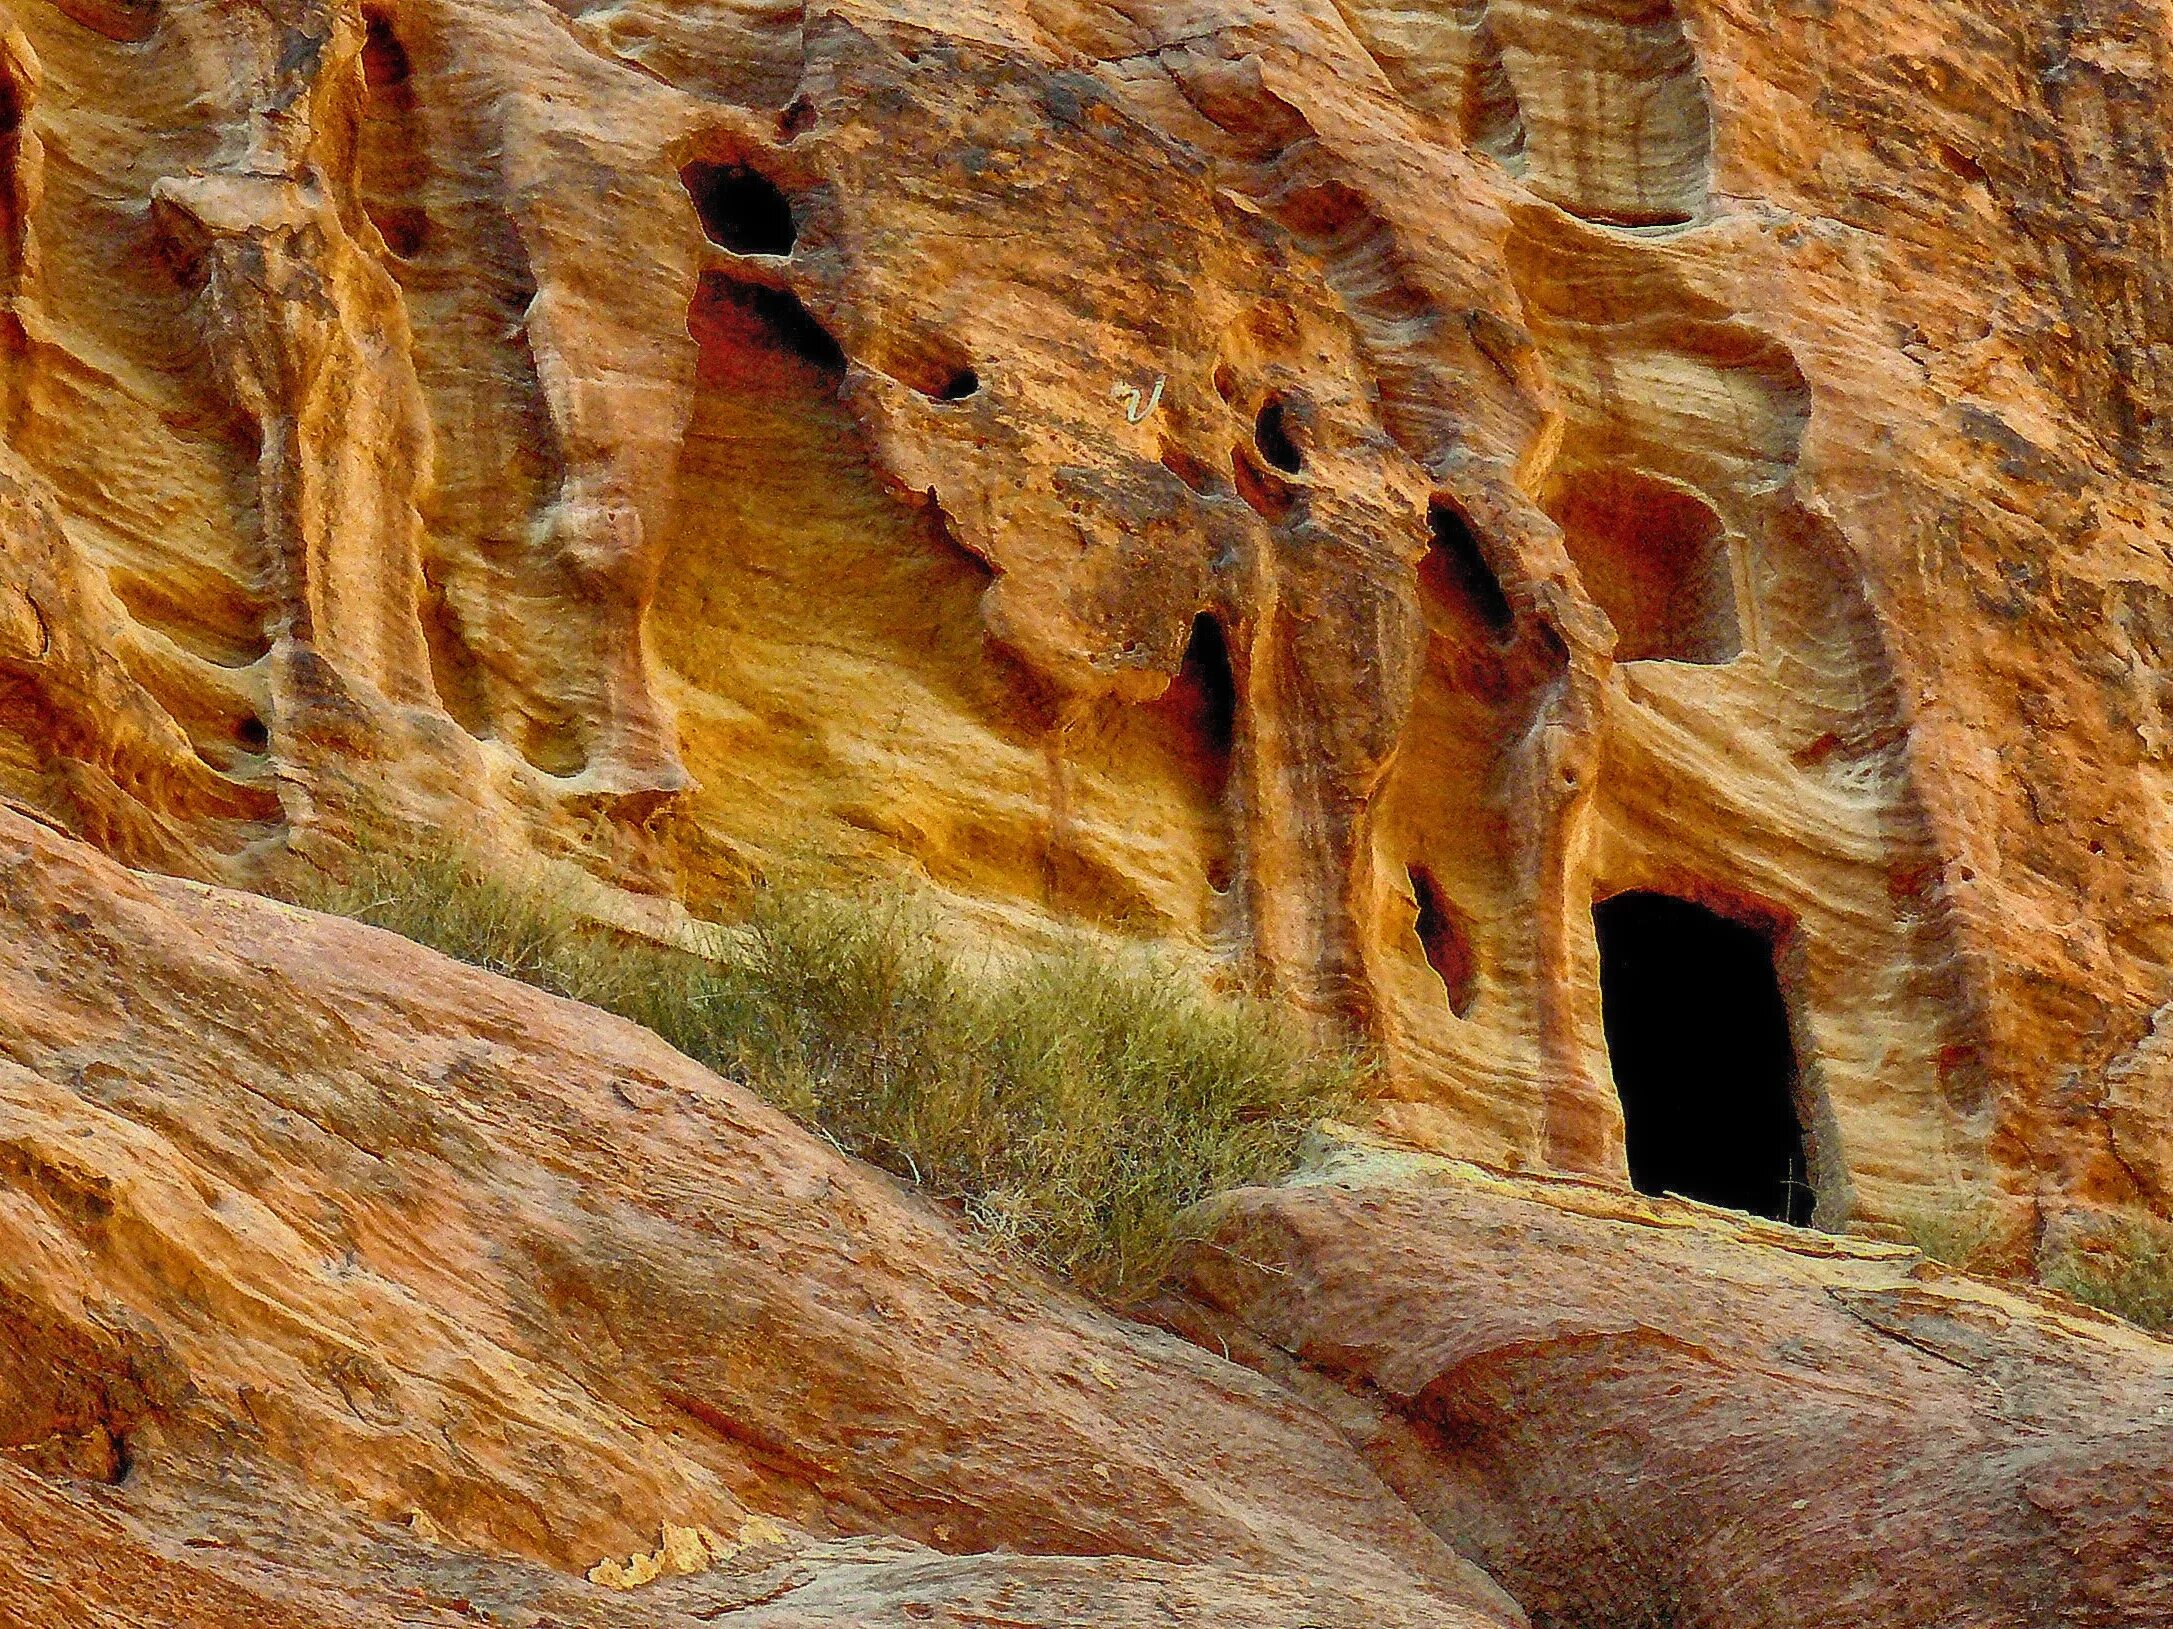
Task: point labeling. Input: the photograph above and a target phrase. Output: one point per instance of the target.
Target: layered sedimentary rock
(340, 1283)
(344, 1285)
(1333, 488)
(1636, 1412)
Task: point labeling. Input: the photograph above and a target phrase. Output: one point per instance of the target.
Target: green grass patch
(2125, 1269)
(1075, 1104)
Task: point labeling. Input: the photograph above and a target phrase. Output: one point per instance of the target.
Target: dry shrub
(1075, 1105)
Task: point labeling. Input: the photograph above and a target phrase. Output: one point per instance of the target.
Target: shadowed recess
(384, 58)
(1446, 939)
(1455, 568)
(1656, 559)
(395, 161)
(1271, 434)
(1698, 1036)
(741, 209)
(1202, 702)
(741, 327)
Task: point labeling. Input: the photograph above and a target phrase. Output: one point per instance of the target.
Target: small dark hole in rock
(254, 737)
(1455, 564)
(965, 382)
(1446, 941)
(1271, 434)
(797, 120)
(384, 58)
(741, 209)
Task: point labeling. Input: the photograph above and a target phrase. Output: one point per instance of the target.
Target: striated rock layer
(1336, 486)
(1634, 1413)
(343, 1284)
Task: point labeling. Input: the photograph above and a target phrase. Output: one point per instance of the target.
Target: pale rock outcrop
(1636, 1411)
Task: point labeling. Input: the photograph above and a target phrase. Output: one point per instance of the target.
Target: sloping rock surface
(1649, 1413)
(331, 1270)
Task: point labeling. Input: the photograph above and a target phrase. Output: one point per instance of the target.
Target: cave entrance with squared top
(1699, 1039)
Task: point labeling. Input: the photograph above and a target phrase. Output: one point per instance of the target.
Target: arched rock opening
(741, 209)
(1699, 1039)
(1656, 560)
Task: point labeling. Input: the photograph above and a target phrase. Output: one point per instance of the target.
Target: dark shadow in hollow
(1446, 939)
(1698, 1034)
(1202, 701)
(741, 209)
(1271, 434)
(1456, 566)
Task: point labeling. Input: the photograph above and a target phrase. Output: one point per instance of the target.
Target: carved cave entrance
(1698, 1034)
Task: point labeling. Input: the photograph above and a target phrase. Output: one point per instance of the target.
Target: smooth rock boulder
(1649, 1412)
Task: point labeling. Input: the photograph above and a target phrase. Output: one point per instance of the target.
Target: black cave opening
(741, 209)
(1457, 566)
(1271, 434)
(1698, 1034)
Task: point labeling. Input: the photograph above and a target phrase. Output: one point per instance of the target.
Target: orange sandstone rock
(1335, 489)
(1636, 1411)
(330, 1267)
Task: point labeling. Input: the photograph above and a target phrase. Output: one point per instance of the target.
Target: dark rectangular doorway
(1698, 1034)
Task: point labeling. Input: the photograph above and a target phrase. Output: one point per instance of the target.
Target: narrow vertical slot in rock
(1456, 572)
(395, 167)
(12, 225)
(1445, 936)
(1200, 708)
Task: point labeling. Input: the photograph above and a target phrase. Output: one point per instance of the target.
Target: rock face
(1338, 489)
(1634, 1413)
(336, 1276)
(344, 1285)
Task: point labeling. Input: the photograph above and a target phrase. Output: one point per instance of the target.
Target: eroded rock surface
(335, 1276)
(1646, 1412)
(1328, 487)
(1335, 489)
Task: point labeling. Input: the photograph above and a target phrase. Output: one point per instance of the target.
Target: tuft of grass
(2126, 1270)
(1971, 1238)
(1074, 1105)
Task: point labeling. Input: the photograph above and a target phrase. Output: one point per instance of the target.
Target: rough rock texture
(334, 1275)
(1337, 485)
(1639, 1412)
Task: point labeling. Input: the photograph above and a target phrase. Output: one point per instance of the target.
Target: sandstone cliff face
(343, 1285)
(1336, 486)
